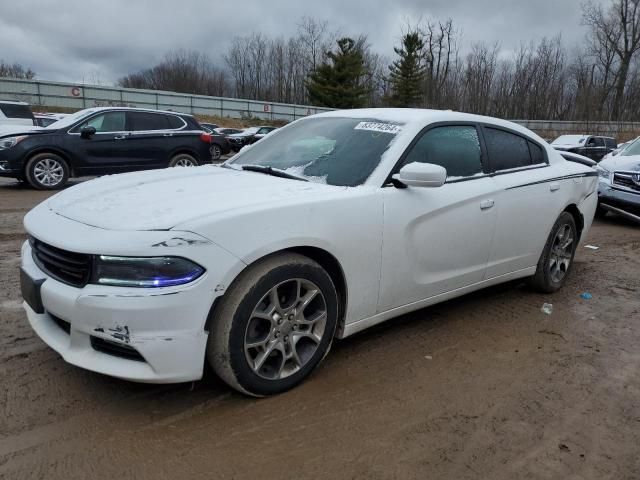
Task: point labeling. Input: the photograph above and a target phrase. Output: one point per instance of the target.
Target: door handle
(120, 137)
(167, 135)
(554, 186)
(486, 204)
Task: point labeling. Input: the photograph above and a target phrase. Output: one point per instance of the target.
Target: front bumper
(618, 197)
(165, 327)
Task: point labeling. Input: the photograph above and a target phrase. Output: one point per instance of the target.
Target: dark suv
(591, 146)
(98, 141)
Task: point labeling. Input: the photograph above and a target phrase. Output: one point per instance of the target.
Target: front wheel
(47, 171)
(274, 326)
(216, 152)
(557, 256)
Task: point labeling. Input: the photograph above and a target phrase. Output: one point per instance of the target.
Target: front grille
(626, 180)
(64, 325)
(116, 349)
(68, 267)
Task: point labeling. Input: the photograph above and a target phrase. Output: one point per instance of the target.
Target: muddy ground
(485, 386)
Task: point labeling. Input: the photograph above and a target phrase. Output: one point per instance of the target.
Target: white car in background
(330, 225)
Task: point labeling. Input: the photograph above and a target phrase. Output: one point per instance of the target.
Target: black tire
(216, 152)
(543, 280)
(226, 347)
(43, 162)
(183, 160)
(601, 212)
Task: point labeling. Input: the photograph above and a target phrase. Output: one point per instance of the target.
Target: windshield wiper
(275, 172)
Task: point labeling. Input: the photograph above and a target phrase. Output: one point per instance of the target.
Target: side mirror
(421, 175)
(87, 132)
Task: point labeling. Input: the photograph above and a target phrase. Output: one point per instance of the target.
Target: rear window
(175, 122)
(12, 110)
(142, 122)
(507, 150)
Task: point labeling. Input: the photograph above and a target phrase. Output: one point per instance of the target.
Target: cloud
(78, 40)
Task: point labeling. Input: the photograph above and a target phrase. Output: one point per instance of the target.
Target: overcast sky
(76, 40)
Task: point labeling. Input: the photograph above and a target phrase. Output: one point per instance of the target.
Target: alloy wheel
(285, 329)
(184, 162)
(48, 172)
(561, 253)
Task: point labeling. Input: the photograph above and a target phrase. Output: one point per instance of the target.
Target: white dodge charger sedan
(328, 226)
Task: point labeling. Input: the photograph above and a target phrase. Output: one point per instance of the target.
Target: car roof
(136, 109)
(413, 118)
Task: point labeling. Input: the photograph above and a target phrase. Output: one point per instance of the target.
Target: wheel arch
(48, 149)
(323, 257)
(575, 212)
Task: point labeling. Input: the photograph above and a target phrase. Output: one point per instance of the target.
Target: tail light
(205, 137)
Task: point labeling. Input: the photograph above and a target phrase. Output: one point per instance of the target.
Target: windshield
(333, 150)
(569, 140)
(631, 149)
(71, 119)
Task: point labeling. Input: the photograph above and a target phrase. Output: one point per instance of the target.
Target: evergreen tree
(339, 81)
(408, 72)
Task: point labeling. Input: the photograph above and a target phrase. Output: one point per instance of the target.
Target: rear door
(526, 200)
(438, 239)
(151, 139)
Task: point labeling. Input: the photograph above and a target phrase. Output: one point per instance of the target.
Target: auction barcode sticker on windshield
(378, 127)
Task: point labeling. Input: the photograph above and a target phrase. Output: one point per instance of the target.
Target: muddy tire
(274, 325)
(557, 257)
(47, 171)
(183, 160)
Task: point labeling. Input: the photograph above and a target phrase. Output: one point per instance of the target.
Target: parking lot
(485, 386)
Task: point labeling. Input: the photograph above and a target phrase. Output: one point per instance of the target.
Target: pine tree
(338, 82)
(408, 72)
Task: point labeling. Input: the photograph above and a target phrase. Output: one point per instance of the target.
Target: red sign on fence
(267, 108)
(75, 91)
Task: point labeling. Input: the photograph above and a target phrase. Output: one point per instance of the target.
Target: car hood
(11, 130)
(621, 162)
(163, 199)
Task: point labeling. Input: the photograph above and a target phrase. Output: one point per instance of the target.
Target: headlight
(146, 272)
(9, 142)
(603, 173)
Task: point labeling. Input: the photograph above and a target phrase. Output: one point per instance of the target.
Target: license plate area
(30, 289)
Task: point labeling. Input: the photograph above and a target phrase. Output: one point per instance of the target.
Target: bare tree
(615, 38)
(15, 70)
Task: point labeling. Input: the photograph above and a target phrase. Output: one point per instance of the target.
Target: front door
(103, 151)
(438, 239)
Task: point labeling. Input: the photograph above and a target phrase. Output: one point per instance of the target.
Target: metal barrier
(77, 96)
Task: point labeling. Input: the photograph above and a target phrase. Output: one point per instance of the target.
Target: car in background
(16, 113)
(209, 127)
(619, 183)
(620, 148)
(98, 141)
(228, 131)
(248, 136)
(46, 119)
(338, 222)
(591, 146)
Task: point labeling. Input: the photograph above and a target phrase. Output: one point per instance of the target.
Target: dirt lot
(486, 386)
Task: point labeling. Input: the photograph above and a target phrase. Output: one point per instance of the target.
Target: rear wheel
(183, 160)
(47, 171)
(274, 326)
(557, 256)
(216, 151)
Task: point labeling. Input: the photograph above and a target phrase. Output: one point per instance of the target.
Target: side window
(144, 122)
(599, 141)
(16, 110)
(591, 142)
(174, 122)
(506, 150)
(610, 143)
(107, 122)
(456, 148)
(537, 155)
